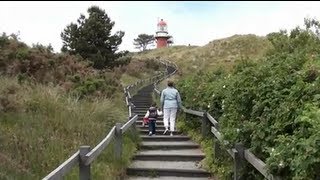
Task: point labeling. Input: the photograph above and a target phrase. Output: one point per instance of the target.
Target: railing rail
(84, 156)
(239, 153)
(127, 125)
(95, 152)
(64, 167)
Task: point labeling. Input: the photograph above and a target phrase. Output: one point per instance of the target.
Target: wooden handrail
(64, 168)
(126, 126)
(127, 101)
(212, 120)
(193, 112)
(219, 137)
(258, 164)
(130, 111)
(95, 152)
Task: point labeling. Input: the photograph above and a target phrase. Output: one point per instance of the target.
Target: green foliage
(123, 58)
(42, 126)
(74, 74)
(4, 39)
(91, 38)
(143, 40)
(270, 105)
(22, 53)
(106, 86)
(43, 48)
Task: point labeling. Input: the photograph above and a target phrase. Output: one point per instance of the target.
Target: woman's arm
(162, 99)
(159, 113)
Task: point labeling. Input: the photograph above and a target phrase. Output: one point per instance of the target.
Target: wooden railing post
(132, 115)
(238, 161)
(204, 125)
(118, 142)
(216, 145)
(84, 170)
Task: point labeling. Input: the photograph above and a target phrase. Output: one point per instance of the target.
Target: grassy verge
(40, 127)
(212, 162)
(126, 80)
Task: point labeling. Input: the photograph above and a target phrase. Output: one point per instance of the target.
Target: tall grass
(40, 127)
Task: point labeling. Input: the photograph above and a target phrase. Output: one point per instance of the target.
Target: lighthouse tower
(162, 35)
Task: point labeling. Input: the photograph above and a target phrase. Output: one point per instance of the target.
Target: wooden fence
(85, 155)
(239, 154)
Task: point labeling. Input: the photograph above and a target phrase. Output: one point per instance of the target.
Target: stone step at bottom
(167, 168)
(168, 157)
(168, 178)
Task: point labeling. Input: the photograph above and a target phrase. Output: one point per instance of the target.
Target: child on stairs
(152, 114)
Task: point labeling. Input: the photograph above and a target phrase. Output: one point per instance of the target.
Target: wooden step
(168, 145)
(166, 168)
(165, 138)
(170, 155)
(167, 178)
(158, 132)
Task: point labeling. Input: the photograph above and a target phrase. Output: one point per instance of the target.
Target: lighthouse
(162, 35)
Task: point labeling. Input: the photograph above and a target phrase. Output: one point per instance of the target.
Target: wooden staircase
(163, 156)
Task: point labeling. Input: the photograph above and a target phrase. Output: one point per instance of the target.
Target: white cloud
(195, 23)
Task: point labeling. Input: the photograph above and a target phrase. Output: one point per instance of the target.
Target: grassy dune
(216, 54)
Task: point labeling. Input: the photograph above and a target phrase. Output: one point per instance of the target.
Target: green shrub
(22, 53)
(270, 105)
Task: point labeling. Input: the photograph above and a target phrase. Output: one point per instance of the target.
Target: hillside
(217, 53)
(51, 103)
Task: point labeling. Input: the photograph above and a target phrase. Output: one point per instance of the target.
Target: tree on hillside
(143, 41)
(91, 38)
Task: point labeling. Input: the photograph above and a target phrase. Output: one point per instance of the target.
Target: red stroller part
(145, 121)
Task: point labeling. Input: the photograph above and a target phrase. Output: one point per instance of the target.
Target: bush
(71, 72)
(22, 53)
(270, 105)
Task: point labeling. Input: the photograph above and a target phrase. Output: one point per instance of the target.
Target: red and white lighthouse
(162, 35)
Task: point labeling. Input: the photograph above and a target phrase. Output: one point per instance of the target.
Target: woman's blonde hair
(170, 83)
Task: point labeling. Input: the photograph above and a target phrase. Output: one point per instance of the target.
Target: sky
(189, 22)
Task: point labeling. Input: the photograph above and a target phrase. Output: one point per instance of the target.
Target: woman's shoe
(165, 131)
